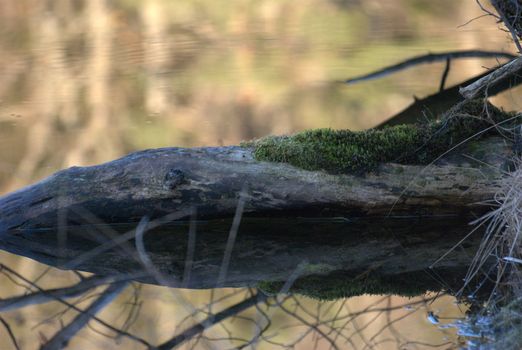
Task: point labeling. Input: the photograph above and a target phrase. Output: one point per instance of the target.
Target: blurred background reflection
(84, 82)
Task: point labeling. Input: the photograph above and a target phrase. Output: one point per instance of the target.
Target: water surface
(84, 82)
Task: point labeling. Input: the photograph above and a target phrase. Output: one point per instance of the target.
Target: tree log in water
(158, 182)
(169, 184)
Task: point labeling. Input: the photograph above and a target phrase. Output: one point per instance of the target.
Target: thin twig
(212, 320)
(445, 74)
(10, 332)
(60, 339)
(232, 238)
(74, 307)
(191, 247)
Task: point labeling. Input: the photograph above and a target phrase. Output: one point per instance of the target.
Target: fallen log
(159, 182)
(318, 172)
(74, 218)
(82, 218)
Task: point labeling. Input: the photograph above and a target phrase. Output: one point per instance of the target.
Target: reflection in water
(86, 82)
(326, 259)
(230, 318)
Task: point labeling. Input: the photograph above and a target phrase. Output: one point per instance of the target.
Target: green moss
(345, 151)
(338, 285)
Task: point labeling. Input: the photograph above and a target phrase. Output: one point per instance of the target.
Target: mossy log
(322, 258)
(318, 173)
(158, 182)
(57, 221)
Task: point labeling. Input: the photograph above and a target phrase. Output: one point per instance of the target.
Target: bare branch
(312, 326)
(191, 244)
(486, 10)
(482, 85)
(49, 295)
(429, 58)
(445, 74)
(212, 320)
(60, 339)
(74, 307)
(434, 105)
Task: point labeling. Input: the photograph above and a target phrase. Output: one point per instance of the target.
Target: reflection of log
(172, 181)
(371, 255)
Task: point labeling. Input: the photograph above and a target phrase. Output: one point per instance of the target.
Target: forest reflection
(84, 82)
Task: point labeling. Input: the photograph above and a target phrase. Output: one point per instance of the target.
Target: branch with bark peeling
(482, 85)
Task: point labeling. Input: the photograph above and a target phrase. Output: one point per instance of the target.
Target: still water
(84, 82)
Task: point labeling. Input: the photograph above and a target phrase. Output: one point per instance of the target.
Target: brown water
(83, 82)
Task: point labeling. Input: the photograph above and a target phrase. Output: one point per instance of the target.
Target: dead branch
(74, 307)
(171, 181)
(429, 58)
(166, 184)
(495, 77)
(45, 296)
(62, 338)
(10, 333)
(434, 105)
(212, 320)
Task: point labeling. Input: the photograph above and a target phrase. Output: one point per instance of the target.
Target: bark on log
(172, 181)
(158, 182)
